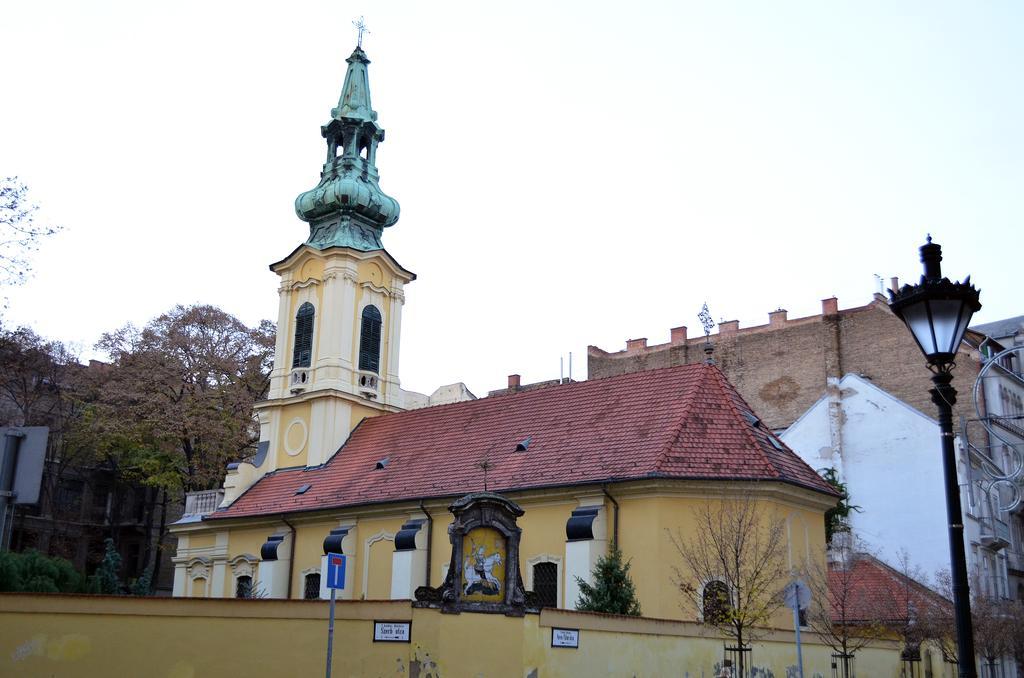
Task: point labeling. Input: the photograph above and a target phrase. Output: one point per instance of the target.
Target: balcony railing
(203, 503)
(995, 533)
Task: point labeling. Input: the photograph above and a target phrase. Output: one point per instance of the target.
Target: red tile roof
(876, 593)
(680, 422)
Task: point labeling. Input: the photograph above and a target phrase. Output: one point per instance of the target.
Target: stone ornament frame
(481, 509)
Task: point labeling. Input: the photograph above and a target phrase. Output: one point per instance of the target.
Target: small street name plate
(565, 637)
(392, 631)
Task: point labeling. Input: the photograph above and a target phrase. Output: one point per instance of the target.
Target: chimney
(729, 327)
(894, 284)
(636, 344)
(829, 306)
(777, 318)
(678, 335)
(513, 382)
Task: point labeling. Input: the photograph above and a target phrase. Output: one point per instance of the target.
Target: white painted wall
(890, 458)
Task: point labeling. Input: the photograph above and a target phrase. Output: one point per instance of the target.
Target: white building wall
(890, 459)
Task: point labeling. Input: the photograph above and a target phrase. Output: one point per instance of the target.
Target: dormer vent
(304, 489)
(382, 463)
(523, 444)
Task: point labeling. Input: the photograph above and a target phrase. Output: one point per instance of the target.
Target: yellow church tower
(340, 303)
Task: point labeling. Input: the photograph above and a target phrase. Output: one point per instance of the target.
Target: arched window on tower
(369, 340)
(717, 603)
(303, 352)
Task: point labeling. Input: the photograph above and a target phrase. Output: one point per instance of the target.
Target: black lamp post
(937, 312)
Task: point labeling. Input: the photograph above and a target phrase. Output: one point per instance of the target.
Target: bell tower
(340, 302)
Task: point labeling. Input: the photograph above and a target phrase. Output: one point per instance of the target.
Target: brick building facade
(784, 367)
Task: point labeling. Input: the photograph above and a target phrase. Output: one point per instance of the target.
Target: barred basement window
(369, 340)
(303, 351)
(545, 584)
(243, 587)
(312, 590)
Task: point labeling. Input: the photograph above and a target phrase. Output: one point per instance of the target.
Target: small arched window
(717, 603)
(369, 340)
(243, 587)
(303, 352)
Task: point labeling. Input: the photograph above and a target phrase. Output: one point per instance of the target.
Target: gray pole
(796, 625)
(330, 632)
(11, 440)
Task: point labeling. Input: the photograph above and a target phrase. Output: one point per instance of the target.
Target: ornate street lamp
(937, 313)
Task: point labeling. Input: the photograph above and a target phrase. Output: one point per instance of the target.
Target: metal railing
(203, 503)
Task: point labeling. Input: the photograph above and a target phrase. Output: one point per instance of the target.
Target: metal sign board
(29, 460)
(392, 631)
(565, 638)
(336, 564)
(798, 595)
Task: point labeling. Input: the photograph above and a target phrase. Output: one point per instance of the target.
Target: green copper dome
(347, 208)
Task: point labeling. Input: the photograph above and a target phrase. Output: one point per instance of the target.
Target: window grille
(369, 340)
(303, 352)
(312, 590)
(243, 587)
(716, 602)
(545, 584)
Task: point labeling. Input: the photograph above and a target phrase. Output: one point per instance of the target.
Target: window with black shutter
(545, 584)
(303, 352)
(369, 340)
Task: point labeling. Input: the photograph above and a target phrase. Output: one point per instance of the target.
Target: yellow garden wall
(99, 636)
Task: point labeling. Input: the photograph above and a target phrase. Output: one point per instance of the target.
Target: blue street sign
(336, 571)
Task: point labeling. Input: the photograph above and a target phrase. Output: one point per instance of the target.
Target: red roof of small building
(866, 590)
(679, 422)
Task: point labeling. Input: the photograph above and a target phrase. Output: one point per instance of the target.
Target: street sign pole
(799, 651)
(798, 597)
(335, 580)
(330, 632)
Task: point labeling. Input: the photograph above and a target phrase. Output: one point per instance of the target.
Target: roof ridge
(684, 415)
(721, 381)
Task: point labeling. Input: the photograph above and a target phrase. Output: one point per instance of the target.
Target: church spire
(347, 208)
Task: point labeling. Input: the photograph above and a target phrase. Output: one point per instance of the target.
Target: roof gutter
(615, 523)
(291, 555)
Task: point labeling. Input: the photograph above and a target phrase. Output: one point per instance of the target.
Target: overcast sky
(570, 173)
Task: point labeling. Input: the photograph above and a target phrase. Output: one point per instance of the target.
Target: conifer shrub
(612, 591)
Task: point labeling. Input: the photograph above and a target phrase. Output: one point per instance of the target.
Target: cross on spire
(360, 26)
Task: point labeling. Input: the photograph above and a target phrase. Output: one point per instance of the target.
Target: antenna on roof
(570, 367)
(561, 369)
(705, 319)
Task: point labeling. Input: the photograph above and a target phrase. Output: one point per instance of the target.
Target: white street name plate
(565, 637)
(391, 631)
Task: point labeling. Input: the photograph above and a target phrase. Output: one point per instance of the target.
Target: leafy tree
(33, 572)
(612, 591)
(19, 232)
(143, 586)
(177, 403)
(733, 566)
(837, 518)
(108, 574)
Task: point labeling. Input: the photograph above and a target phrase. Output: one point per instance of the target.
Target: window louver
(369, 340)
(303, 352)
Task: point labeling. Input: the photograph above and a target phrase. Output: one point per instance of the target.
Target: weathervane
(705, 320)
(361, 28)
(708, 323)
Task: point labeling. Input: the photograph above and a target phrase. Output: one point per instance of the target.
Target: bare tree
(19, 232)
(733, 567)
(843, 612)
